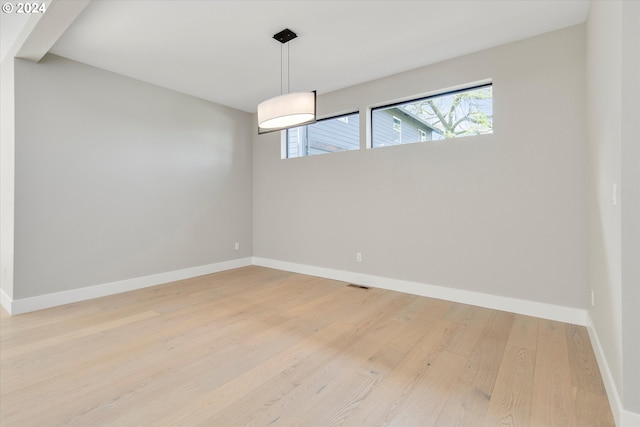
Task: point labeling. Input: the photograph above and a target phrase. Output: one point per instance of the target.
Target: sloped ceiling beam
(43, 30)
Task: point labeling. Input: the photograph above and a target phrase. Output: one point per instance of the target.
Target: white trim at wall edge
(572, 315)
(530, 308)
(5, 301)
(623, 418)
(25, 305)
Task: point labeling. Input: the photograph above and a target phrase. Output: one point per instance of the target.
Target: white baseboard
(623, 418)
(572, 315)
(530, 308)
(25, 305)
(5, 301)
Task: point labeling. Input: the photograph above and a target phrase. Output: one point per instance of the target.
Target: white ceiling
(223, 51)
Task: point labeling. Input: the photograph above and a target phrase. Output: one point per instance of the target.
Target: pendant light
(289, 109)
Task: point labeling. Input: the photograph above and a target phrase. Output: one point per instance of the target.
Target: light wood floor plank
(553, 390)
(510, 403)
(257, 346)
(469, 399)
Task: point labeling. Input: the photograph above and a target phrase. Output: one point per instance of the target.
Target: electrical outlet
(359, 256)
(237, 246)
(593, 299)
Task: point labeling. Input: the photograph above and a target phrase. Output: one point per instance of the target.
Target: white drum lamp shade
(285, 111)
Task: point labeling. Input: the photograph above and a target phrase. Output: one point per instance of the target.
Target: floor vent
(353, 285)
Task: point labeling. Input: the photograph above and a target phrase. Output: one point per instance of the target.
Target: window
(450, 115)
(397, 130)
(325, 136)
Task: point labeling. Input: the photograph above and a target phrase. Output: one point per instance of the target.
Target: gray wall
(500, 214)
(613, 67)
(118, 179)
(630, 196)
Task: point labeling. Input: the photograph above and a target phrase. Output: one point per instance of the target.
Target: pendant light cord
(281, 76)
(288, 69)
(282, 83)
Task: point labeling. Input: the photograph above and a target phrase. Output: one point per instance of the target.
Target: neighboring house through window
(397, 130)
(451, 115)
(329, 135)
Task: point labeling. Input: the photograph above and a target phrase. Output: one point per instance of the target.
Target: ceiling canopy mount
(285, 36)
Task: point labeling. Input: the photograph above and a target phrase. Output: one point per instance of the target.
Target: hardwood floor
(256, 346)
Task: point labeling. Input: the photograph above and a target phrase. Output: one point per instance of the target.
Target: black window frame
(412, 100)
